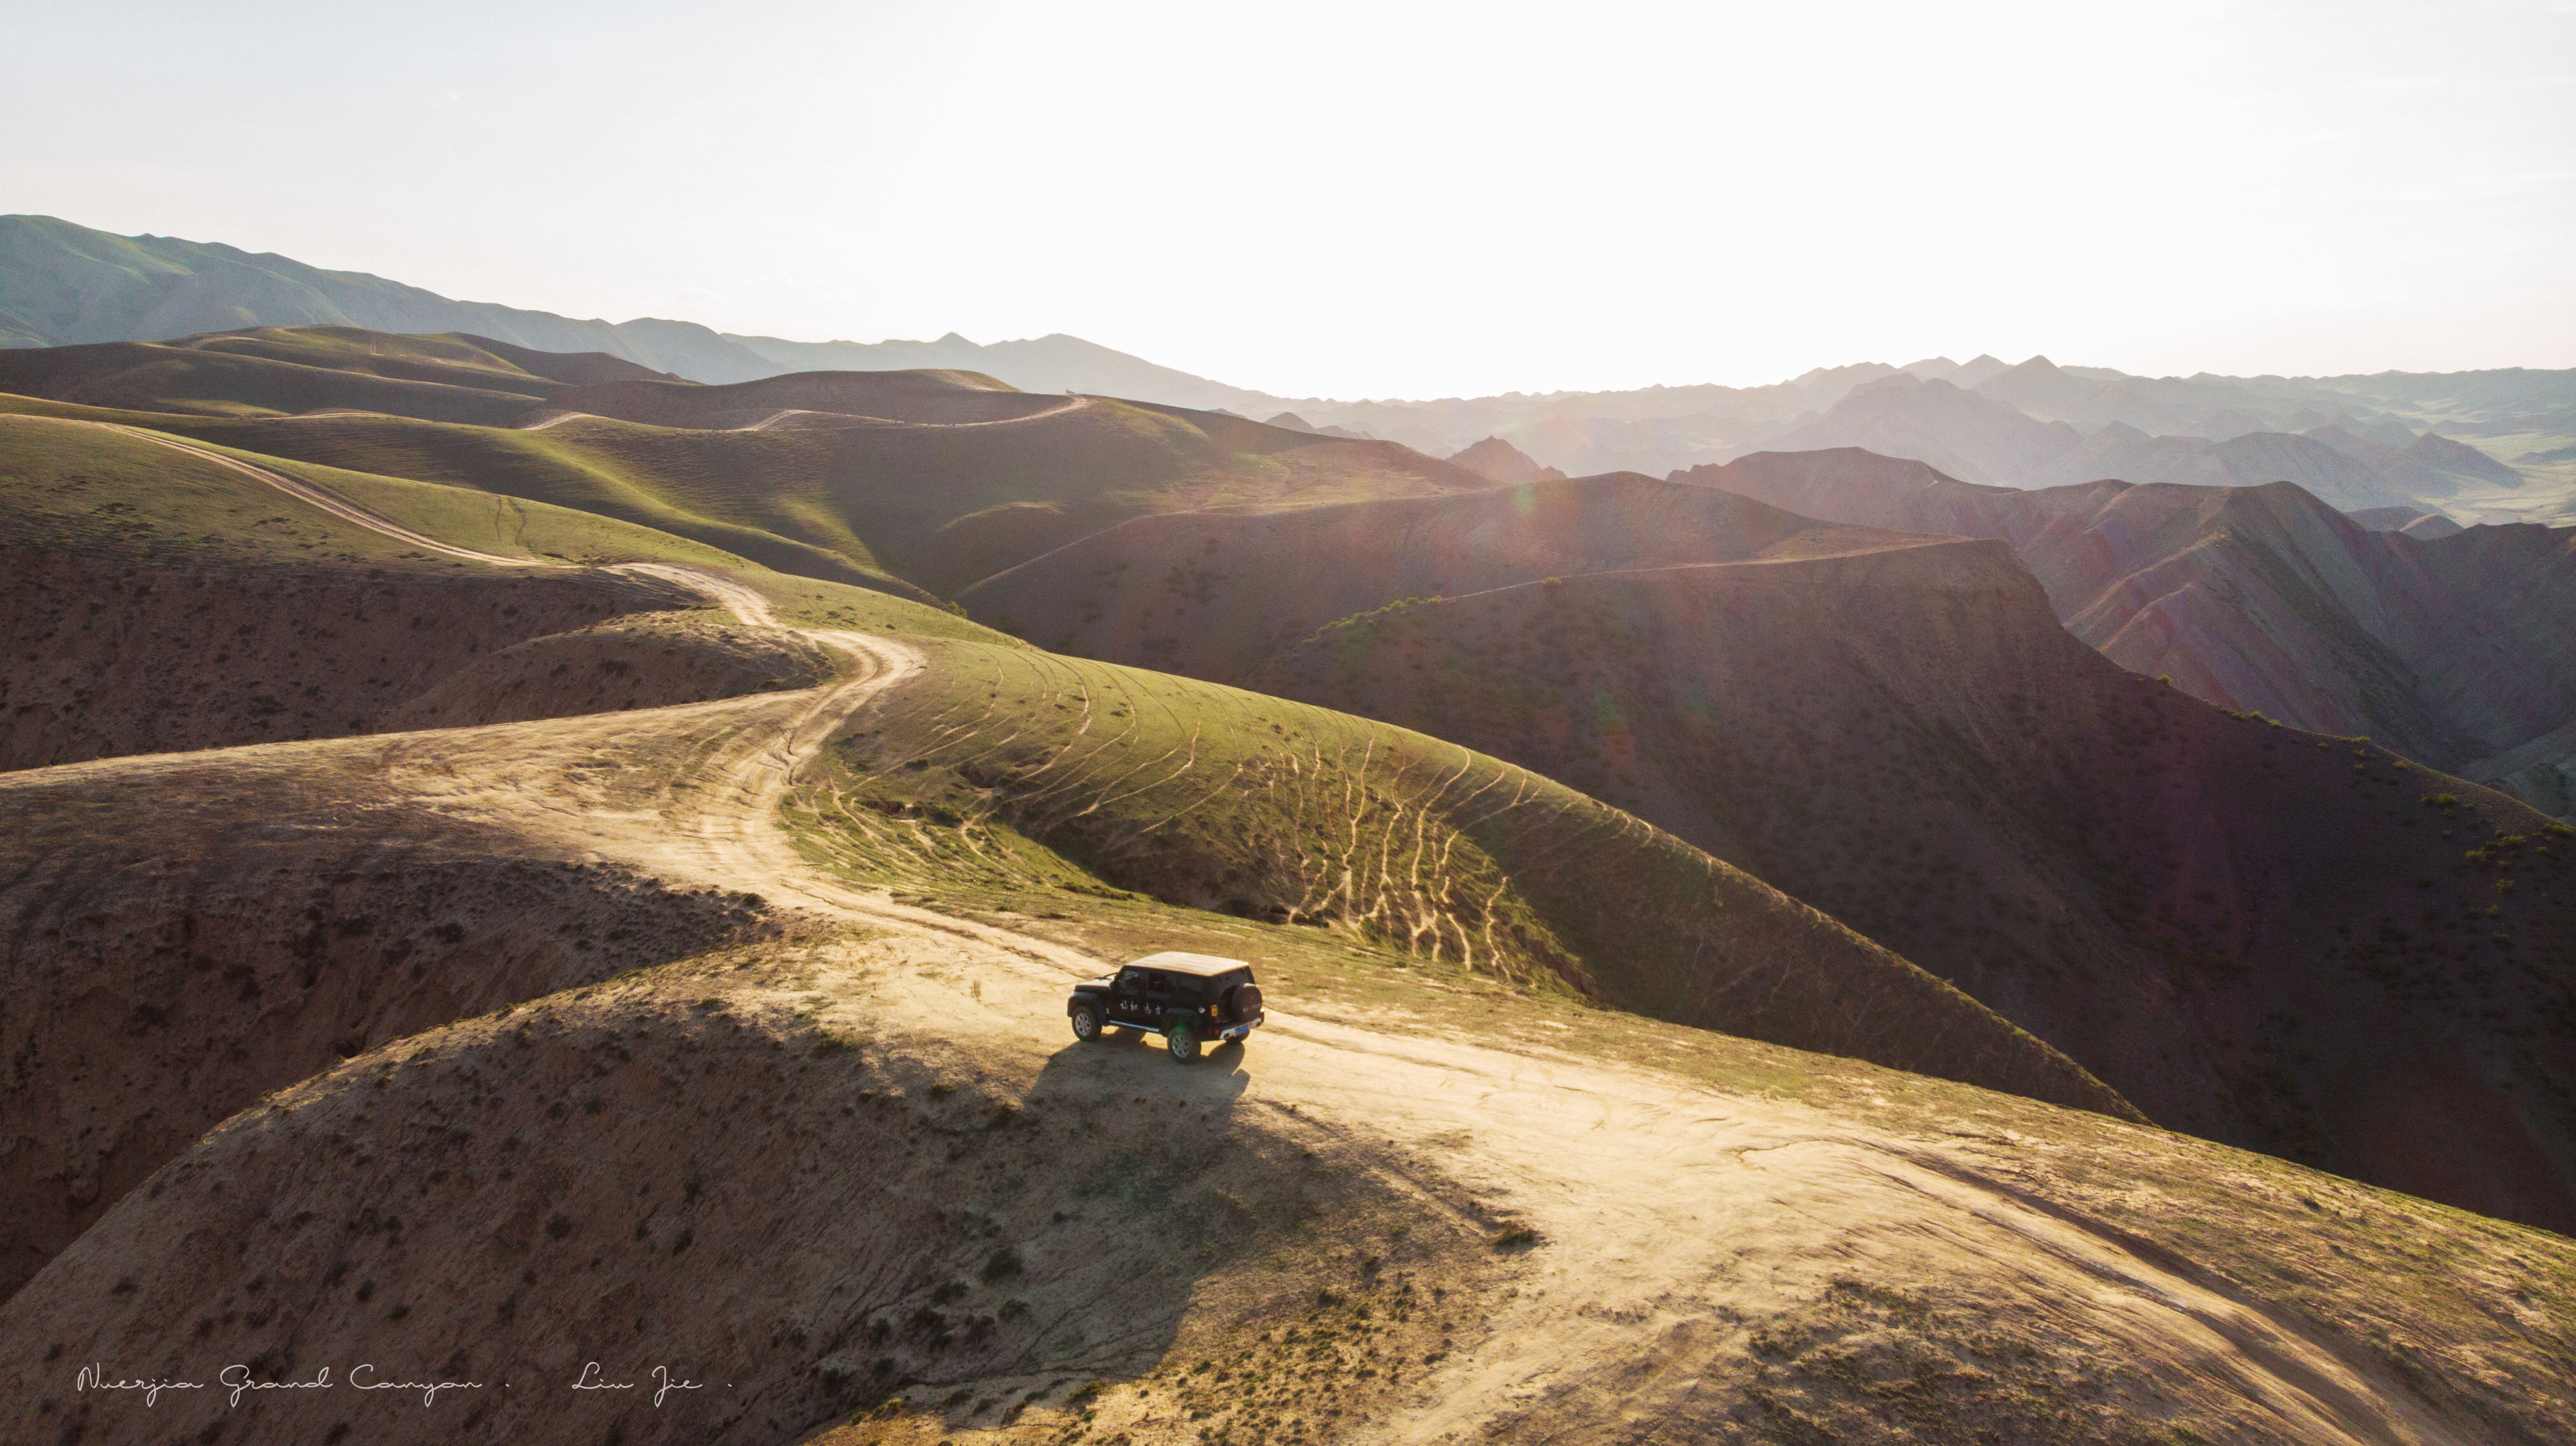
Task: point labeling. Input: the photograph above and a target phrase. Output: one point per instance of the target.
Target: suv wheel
(1086, 1023)
(1184, 1040)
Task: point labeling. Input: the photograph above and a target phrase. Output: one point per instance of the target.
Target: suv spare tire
(1243, 1002)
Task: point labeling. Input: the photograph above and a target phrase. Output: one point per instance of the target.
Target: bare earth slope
(727, 1037)
(1896, 731)
(1900, 733)
(1002, 768)
(866, 1173)
(168, 598)
(2259, 935)
(2449, 649)
(863, 1177)
(1495, 872)
(1499, 461)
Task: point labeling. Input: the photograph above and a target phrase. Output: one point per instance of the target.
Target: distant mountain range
(63, 284)
(2027, 427)
(2359, 442)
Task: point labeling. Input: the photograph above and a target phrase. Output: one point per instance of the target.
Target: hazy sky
(1375, 199)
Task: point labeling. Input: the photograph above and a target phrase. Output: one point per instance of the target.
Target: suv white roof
(1174, 962)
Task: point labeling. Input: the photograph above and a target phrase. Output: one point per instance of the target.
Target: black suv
(1189, 999)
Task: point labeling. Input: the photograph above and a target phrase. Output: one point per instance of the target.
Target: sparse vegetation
(496, 1089)
(1014, 777)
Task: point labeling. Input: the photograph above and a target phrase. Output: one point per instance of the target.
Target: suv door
(1188, 996)
(1127, 997)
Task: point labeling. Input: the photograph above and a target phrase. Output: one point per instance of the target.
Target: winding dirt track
(1672, 1213)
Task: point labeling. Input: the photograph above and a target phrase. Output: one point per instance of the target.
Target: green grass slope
(945, 503)
(673, 488)
(272, 373)
(935, 478)
(1013, 778)
(449, 359)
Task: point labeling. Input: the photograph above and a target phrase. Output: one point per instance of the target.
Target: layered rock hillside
(2262, 599)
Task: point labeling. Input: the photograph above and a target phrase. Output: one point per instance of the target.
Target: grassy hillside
(936, 478)
(81, 485)
(487, 1049)
(1255, 821)
(1207, 594)
(1896, 731)
(2245, 928)
(277, 372)
(867, 1175)
(944, 504)
(450, 359)
(166, 601)
(1008, 778)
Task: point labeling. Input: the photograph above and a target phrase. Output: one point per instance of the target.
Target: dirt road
(1676, 1222)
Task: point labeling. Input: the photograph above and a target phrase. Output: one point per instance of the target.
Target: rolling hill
(2259, 599)
(1077, 782)
(168, 597)
(276, 372)
(725, 1031)
(923, 484)
(868, 478)
(2203, 908)
(1500, 462)
(62, 284)
(1200, 593)
(2244, 928)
